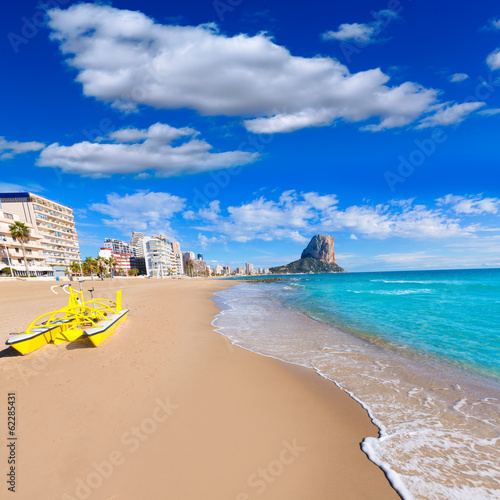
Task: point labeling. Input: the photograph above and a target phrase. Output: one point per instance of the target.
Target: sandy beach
(168, 408)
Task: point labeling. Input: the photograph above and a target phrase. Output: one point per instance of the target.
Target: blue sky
(243, 128)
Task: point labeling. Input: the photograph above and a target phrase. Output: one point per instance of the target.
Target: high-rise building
(159, 256)
(50, 220)
(176, 248)
(117, 246)
(187, 256)
(248, 268)
(136, 244)
(124, 261)
(11, 254)
(200, 256)
(137, 248)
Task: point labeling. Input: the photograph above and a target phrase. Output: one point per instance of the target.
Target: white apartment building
(137, 244)
(219, 270)
(137, 248)
(52, 221)
(176, 247)
(11, 253)
(124, 261)
(248, 268)
(117, 246)
(159, 256)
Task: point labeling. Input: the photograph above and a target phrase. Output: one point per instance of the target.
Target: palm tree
(190, 267)
(74, 268)
(101, 264)
(21, 232)
(89, 264)
(112, 265)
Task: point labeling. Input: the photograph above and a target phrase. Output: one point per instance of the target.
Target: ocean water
(419, 350)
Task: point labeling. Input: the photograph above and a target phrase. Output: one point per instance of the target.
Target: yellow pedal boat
(102, 330)
(95, 318)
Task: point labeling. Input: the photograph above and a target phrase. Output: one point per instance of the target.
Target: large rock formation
(317, 257)
(320, 248)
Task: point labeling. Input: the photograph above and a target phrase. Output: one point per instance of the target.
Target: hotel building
(124, 261)
(11, 253)
(117, 246)
(159, 256)
(53, 228)
(137, 248)
(179, 261)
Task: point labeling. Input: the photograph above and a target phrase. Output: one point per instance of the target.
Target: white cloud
(360, 32)
(493, 60)
(470, 205)
(450, 114)
(127, 59)
(8, 187)
(354, 32)
(490, 112)
(131, 151)
(458, 77)
(495, 24)
(9, 149)
(295, 217)
(204, 241)
(147, 212)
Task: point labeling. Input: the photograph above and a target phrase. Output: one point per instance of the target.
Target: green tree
(190, 267)
(21, 232)
(90, 266)
(133, 272)
(74, 268)
(102, 265)
(112, 265)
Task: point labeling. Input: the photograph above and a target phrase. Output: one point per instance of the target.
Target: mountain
(317, 257)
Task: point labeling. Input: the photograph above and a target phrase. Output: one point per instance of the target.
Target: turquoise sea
(419, 350)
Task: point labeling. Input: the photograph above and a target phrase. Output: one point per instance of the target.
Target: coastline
(428, 414)
(168, 407)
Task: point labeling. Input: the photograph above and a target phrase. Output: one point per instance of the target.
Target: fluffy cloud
(450, 114)
(458, 77)
(295, 217)
(493, 60)
(130, 151)
(127, 59)
(354, 32)
(361, 33)
(470, 205)
(9, 149)
(148, 212)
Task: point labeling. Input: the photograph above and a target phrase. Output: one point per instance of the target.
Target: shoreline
(422, 409)
(231, 424)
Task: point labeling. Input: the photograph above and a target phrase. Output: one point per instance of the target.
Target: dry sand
(168, 409)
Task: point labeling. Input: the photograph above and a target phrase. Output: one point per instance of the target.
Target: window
(8, 216)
